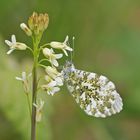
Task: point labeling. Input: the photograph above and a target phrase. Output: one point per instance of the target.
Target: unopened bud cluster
(38, 23)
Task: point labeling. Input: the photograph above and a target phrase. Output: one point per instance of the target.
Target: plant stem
(33, 122)
(34, 90)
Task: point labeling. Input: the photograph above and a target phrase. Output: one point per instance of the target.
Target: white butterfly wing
(95, 94)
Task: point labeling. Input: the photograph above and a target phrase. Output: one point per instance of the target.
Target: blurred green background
(107, 41)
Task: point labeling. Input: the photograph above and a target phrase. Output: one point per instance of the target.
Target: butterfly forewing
(95, 94)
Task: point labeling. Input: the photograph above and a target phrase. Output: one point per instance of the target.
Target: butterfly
(94, 93)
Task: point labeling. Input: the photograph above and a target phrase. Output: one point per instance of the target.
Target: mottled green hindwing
(95, 94)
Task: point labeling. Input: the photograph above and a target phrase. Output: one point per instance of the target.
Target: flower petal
(9, 43)
(10, 51)
(58, 56)
(65, 52)
(25, 28)
(56, 45)
(68, 48)
(24, 76)
(47, 52)
(19, 46)
(54, 62)
(59, 81)
(66, 39)
(18, 78)
(54, 90)
(13, 39)
(52, 84)
(35, 105)
(51, 71)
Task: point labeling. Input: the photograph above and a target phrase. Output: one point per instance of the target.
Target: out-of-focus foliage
(107, 42)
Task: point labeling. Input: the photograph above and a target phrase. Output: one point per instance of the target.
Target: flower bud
(24, 27)
(52, 57)
(20, 46)
(51, 71)
(38, 23)
(47, 52)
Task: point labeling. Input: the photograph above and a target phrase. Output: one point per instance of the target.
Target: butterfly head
(68, 69)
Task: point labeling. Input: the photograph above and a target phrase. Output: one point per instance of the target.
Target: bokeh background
(107, 41)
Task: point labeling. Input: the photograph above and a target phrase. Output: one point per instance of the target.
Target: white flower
(15, 45)
(25, 81)
(54, 75)
(61, 45)
(39, 106)
(59, 81)
(24, 76)
(25, 28)
(49, 53)
(51, 88)
(52, 72)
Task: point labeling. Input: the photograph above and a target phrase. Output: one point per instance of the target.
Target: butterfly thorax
(68, 69)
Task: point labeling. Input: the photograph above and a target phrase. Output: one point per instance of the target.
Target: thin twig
(43, 60)
(30, 49)
(41, 47)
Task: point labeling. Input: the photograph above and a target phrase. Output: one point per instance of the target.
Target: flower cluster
(53, 78)
(37, 24)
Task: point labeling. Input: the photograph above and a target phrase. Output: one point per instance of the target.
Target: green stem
(41, 47)
(33, 122)
(43, 60)
(30, 49)
(42, 65)
(34, 90)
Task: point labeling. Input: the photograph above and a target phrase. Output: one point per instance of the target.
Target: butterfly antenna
(72, 53)
(68, 44)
